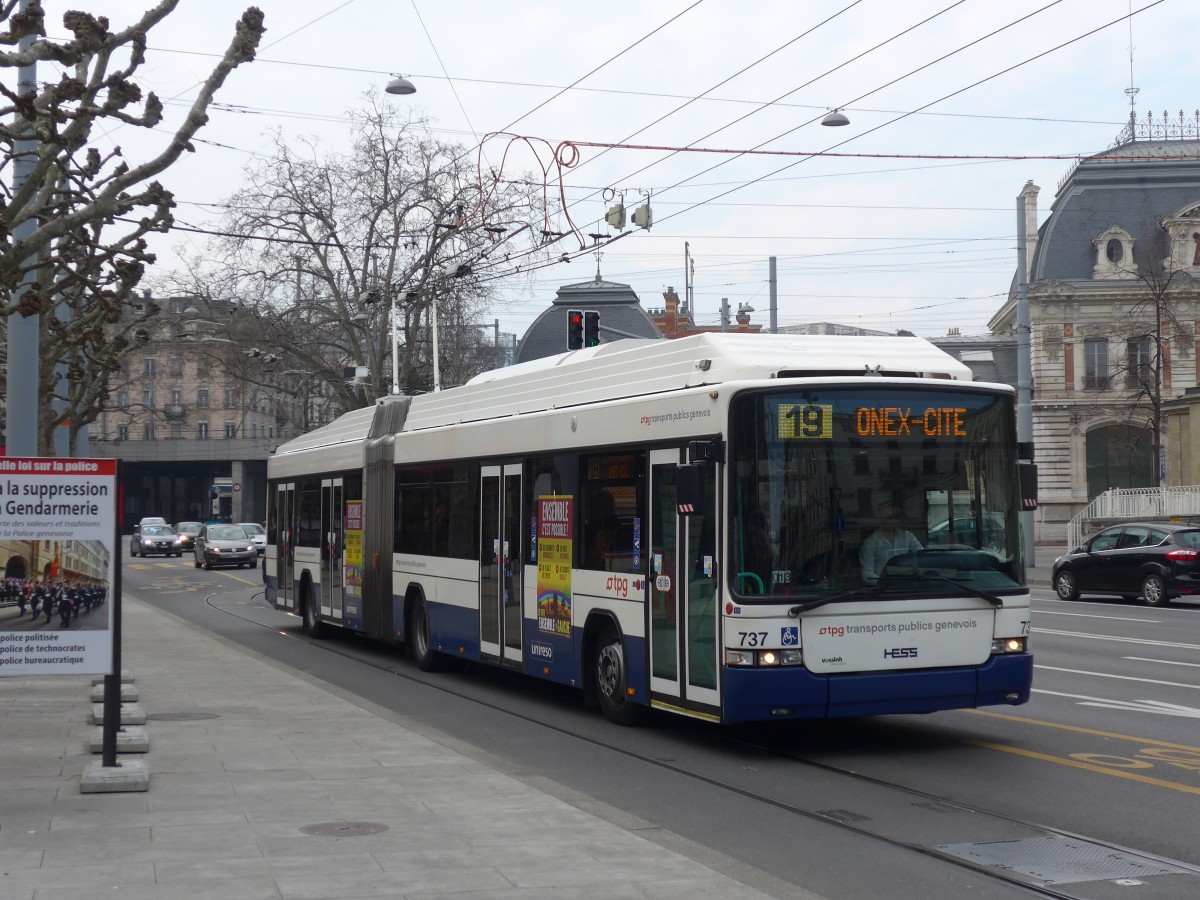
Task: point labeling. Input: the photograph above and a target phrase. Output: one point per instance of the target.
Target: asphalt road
(1108, 750)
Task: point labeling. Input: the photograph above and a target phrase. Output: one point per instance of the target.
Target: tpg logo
(900, 653)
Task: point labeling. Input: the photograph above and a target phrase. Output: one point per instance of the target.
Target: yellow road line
(1079, 730)
(1089, 767)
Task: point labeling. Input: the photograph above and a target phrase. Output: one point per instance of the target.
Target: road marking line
(1165, 662)
(1050, 612)
(1110, 675)
(1088, 767)
(1126, 640)
(1079, 729)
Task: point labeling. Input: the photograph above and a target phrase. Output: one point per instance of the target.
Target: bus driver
(886, 542)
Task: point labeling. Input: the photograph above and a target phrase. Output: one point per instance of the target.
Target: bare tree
(57, 224)
(1147, 330)
(324, 247)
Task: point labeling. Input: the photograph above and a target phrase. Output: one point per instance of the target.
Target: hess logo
(900, 653)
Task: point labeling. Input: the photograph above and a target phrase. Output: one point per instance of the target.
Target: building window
(1115, 251)
(176, 430)
(202, 431)
(148, 366)
(148, 398)
(230, 398)
(202, 398)
(1118, 456)
(1095, 364)
(175, 366)
(1139, 370)
(202, 368)
(123, 432)
(122, 399)
(176, 396)
(230, 430)
(147, 431)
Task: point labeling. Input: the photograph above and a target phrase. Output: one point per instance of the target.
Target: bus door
(333, 541)
(500, 564)
(285, 544)
(684, 603)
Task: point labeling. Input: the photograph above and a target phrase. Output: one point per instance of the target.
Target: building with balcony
(1114, 297)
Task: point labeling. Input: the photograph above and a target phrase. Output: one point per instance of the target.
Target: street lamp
(400, 86)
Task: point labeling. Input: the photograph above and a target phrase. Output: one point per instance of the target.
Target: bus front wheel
(612, 681)
(423, 654)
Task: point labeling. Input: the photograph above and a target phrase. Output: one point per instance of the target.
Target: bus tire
(423, 654)
(611, 679)
(313, 626)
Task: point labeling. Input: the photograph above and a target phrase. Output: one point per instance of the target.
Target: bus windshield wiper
(821, 601)
(985, 595)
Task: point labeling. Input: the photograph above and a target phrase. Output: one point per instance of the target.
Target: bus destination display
(814, 421)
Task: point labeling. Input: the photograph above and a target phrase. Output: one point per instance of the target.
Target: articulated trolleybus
(732, 527)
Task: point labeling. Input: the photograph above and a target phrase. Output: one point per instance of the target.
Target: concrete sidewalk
(270, 757)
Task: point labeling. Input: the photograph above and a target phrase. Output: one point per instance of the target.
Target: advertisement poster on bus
(57, 533)
(555, 527)
(353, 563)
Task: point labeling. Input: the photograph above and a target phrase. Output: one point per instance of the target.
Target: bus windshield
(880, 492)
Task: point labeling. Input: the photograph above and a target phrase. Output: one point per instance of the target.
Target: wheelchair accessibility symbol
(790, 636)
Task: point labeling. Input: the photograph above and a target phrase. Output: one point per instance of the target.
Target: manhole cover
(344, 829)
(181, 717)
(1055, 860)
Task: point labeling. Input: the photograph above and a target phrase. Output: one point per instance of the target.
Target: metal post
(774, 285)
(433, 317)
(1024, 367)
(395, 348)
(24, 332)
(112, 682)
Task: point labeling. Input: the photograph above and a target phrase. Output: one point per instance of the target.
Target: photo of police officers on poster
(57, 534)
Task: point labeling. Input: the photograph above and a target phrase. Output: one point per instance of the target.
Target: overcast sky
(911, 234)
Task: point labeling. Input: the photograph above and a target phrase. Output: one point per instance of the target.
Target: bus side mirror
(1029, 487)
(689, 488)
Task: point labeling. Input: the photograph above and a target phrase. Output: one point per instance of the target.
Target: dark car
(963, 532)
(187, 532)
(148, 540)
(1151, 560)
(224, 545)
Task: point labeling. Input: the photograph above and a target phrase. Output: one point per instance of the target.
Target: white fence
(1135, 503)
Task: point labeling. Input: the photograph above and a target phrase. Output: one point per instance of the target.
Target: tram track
(1177, 878)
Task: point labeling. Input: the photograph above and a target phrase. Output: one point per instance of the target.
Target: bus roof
(632, 367)
(627, 368)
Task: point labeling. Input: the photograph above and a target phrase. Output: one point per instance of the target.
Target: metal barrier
(1134, 503)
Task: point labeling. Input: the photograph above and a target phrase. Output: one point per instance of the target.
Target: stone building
(1114, 297)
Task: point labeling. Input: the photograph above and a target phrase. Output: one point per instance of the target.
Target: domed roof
(621, 316)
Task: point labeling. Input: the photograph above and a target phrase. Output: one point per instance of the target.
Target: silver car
(258, 534)
(224, 545)
(148, 540)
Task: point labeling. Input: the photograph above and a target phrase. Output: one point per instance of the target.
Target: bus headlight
(791, 656)
(1001, 646)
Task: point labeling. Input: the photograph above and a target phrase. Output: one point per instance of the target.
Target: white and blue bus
(726, 526)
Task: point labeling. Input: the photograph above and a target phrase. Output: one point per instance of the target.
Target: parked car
(258, 534)
(1151, 560)
(148, 540)
(224, 545)
(187, 532)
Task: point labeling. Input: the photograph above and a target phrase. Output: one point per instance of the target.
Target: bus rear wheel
(423, 654)
(612, 680)
(313, 626)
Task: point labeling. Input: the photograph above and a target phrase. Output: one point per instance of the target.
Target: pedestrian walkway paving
(264, 784)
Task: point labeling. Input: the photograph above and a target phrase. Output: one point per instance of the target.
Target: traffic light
(574, 329)
(591, 328)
